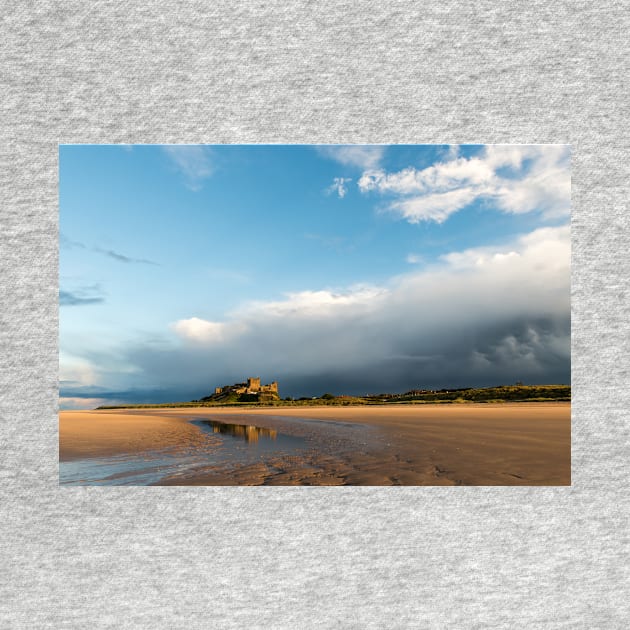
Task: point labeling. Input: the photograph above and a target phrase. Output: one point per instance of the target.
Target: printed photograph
(314, 315)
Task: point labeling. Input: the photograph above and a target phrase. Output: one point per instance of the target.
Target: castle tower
(253, 384)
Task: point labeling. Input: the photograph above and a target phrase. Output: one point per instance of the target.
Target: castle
(252, 386)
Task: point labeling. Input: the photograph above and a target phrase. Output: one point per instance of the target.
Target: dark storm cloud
(499, 352)
(534, 351)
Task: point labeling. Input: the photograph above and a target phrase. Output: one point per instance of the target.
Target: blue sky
(182, 267)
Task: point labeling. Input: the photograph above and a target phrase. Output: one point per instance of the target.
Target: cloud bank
(482, 316)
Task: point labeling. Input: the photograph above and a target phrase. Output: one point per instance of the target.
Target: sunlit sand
(468, 444)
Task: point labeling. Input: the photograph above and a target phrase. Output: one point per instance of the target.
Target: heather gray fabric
(327, 557)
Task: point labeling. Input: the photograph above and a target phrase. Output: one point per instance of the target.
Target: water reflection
(247, 432)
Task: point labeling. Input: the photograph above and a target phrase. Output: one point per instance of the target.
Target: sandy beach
(468, 444)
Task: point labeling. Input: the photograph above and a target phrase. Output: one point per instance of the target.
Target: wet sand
(91, 434)
(468, 444)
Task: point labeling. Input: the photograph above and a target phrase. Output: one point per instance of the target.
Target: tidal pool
(251, 434)
(232, 444)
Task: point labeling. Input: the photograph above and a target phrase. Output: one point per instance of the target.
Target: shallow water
(123, 470)
(235, 444)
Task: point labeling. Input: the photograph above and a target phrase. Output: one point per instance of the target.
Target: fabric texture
(326, 72)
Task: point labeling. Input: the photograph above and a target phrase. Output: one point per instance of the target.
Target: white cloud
(358, 156)
(546, 189)
(516, 179)
(546, 249)
(76, 370)
(303, 304)
(193, 161)
(453, 152)
(325, 303)
(414, 259)
(204, 331)
(441, 177)
(535, 263)
(339, 186)
(437, 207)
(508, 155)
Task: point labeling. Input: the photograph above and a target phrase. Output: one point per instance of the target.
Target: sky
(329, 268)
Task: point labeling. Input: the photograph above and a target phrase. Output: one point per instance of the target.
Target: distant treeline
(498, 394)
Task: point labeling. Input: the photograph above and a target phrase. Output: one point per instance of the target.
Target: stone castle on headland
(250, 391)
(252, 386)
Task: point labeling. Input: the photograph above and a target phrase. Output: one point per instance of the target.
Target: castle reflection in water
(249, 433)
